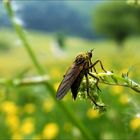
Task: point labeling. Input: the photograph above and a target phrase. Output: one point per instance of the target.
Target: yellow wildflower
(9, 107)
(50, 131)
(29, 108)
(27, 127)
(13, 122)
(135, 123)
(91, 113)
(48, 105)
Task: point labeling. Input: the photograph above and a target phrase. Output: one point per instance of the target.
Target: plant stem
(113, 79)
(41, 71)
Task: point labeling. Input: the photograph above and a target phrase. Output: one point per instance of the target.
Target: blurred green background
(56, 37)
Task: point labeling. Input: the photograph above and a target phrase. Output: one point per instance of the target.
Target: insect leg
(90, 64)
(95, 70)
(87, 86)
(96, 79)
(98, 61)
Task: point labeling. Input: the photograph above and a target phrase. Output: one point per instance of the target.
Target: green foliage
(117, 20)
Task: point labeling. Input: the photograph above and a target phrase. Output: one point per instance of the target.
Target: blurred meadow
(30, 112)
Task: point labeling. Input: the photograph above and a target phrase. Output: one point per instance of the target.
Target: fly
(82, 66)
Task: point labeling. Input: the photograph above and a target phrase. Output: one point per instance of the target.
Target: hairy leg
(96, 62)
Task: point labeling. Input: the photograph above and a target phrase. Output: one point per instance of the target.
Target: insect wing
(68, 80)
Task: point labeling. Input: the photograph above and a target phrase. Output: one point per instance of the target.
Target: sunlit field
(30, 112)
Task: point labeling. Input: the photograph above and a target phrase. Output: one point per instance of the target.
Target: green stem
(113, 79)
(40, 70)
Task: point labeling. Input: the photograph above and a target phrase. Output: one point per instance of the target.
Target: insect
(82, 66)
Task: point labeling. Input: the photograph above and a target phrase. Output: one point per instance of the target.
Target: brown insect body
(74, 76)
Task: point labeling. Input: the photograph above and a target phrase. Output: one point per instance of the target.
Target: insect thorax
(82, 58)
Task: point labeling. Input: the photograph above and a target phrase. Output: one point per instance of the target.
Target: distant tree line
(53, 16)
(116, 19)
(56, 17)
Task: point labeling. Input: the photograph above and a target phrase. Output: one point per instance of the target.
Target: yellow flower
(116, 90)
(50, 131)
(27, 127)
(9, 107)
(135, 123)
(29, 108)
(48, 105)
(91, 113)
(124, 99)
(13, 122)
